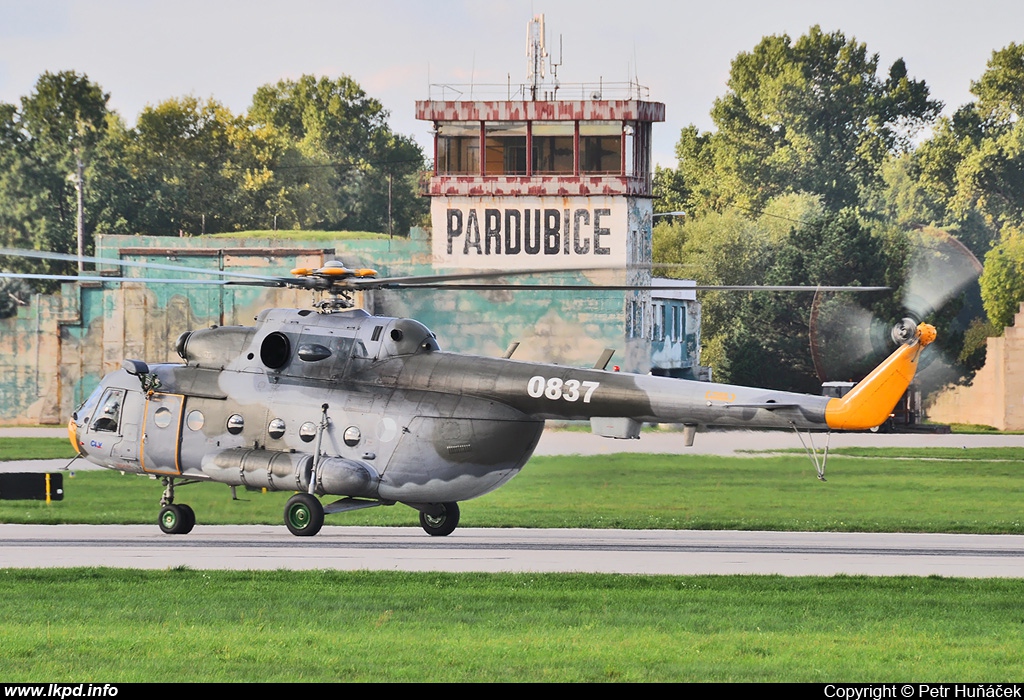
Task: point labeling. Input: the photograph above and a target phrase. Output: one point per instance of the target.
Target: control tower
(554, 177)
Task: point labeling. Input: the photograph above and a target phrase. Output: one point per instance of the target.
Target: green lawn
(35, 448)
(109, 625)
(923, 492)
(88, 625)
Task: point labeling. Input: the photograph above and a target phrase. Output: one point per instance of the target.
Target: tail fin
(870, 402)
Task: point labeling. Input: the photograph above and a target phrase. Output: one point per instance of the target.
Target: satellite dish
(595, 95)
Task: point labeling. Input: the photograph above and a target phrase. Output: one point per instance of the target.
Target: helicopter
(332, 401)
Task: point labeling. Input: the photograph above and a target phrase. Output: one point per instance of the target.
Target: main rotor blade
(45, 255)
(423, 280)
(634, 287)
(86, 278)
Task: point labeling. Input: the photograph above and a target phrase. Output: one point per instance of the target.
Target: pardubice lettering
(530, 231)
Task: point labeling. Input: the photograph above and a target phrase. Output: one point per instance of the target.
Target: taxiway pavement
(516, 550)
(537, 550)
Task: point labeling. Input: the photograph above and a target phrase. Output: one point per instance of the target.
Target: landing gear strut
(175, 519)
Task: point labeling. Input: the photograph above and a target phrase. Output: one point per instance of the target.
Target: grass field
(108, 625)
(89, 625)
(938, 490)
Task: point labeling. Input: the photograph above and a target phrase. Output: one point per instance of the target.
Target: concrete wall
(996, 396)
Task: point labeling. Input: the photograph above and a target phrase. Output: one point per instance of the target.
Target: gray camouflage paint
(433, 427)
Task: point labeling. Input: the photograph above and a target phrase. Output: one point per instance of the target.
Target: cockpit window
(108, 415)
(83, 414)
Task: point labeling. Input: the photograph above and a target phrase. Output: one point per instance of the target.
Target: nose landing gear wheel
(177, 519)
(443, 524)
(303, 515)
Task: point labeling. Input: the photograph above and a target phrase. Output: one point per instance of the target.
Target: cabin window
(505, 148)
(307, 431)
(195, 420)
(276, 429)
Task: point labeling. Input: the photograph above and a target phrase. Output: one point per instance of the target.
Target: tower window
(458, 147)
(601, 147)
(553, 148)
(505, 148)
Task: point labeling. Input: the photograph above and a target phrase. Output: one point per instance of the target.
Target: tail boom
(871, 401)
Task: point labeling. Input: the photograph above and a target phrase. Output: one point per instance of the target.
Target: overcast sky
(144, 52)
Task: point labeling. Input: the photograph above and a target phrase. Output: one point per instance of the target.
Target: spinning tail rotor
(848, 339)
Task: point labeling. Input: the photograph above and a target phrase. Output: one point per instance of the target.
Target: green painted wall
(54, 352)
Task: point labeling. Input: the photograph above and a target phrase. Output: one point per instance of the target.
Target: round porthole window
(307, 431)
(276, 428)
(352, 436)
(235, 424)
(162, 417)
(195, 420)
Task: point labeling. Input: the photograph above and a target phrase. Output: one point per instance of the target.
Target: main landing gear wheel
(304, 515)
(443, 524)
(177, 519)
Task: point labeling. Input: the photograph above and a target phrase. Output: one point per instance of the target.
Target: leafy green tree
(761, 338)
(972, 167)
(810, 115)
(1002, 282)
(342, 157)
(770, 347)
(13, 293)
(184, 152)
(59, 123)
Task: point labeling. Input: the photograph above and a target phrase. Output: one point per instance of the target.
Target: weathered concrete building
(996, 395)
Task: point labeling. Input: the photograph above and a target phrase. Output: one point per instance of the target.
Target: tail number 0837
(555, 388)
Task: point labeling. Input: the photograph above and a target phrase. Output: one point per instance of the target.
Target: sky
(144, 52)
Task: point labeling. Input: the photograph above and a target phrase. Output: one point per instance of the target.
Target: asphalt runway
(516, 550)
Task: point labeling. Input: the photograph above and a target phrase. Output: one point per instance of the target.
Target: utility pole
(79, 178)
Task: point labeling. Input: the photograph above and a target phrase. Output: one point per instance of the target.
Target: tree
(41, 142)
(973, 166)
(184, 150)
(342, 156)
(761, 338)
(13, 293)
(1002, 282)
(806, 116)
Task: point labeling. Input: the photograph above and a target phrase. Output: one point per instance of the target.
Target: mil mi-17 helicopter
(371, 410)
